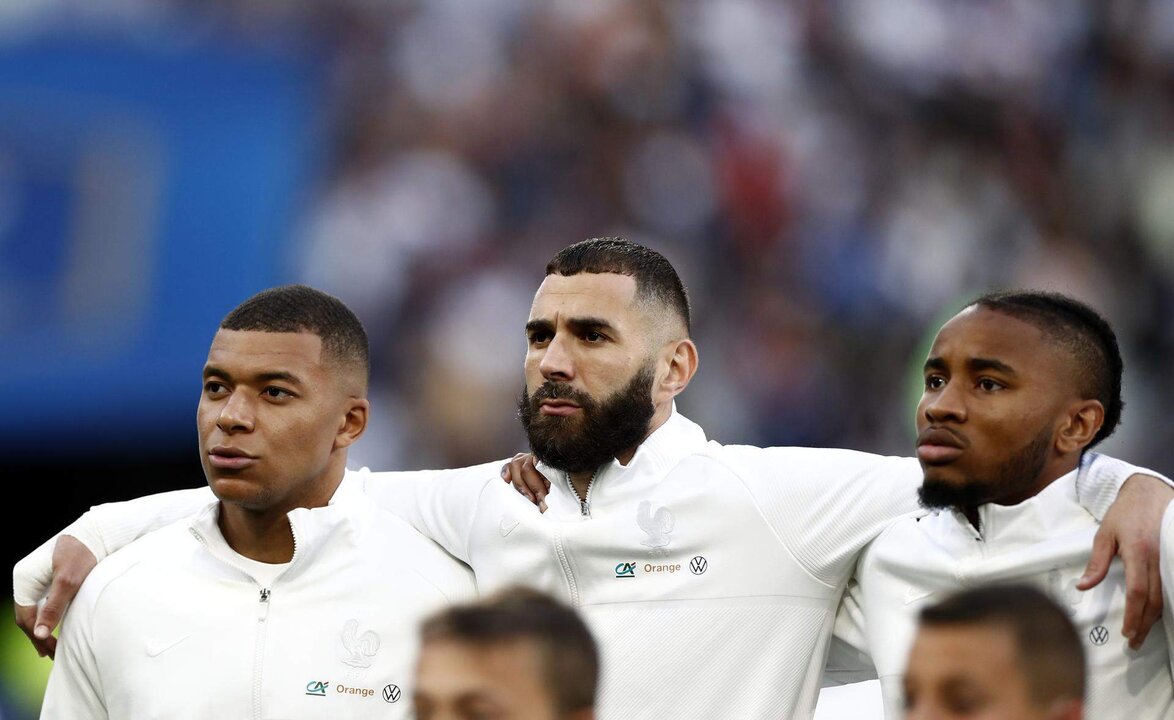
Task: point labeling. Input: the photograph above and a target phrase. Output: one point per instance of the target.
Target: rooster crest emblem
(658, 526)
(358, 649)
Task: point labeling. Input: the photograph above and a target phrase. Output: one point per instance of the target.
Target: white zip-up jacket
(1045, 541)
(709, 574)
(174, 627)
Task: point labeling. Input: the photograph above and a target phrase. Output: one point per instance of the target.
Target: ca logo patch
(626, 570)
(316, 687)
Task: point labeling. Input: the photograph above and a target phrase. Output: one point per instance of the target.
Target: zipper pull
(264, 595)
(584, 508)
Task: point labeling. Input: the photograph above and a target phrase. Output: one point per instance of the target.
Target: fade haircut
(1082, 332)
(656, 279)
(1050, 655)
(566, 648)
(300, 308)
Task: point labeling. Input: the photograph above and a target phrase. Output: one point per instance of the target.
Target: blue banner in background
(144, 192)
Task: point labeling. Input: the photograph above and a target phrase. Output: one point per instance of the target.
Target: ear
(353, 422)
(1082, 421)
(681, 358)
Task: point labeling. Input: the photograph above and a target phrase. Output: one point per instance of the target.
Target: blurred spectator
(1004, 652)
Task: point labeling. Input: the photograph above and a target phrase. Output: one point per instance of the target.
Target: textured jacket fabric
(1045, 541)
(173, 627)
(710, 574)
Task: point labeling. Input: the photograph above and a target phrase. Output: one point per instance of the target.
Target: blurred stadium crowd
(831, 177)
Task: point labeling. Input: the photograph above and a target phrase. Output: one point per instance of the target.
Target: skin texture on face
(589, 334)
(972, 672)
(1000, 417)
(499, 681)
(274, 420)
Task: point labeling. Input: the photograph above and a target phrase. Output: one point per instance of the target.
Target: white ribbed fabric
(775, 534)
(174, 627)
(1044, 541)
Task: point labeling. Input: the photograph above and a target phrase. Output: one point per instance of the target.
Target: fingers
(72, 562)
(1153, 606)
(26, 620)
(535, 481)
(1143, 588)
(1104, 546)
(524, 476)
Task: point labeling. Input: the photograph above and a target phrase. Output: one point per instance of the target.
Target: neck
(580, 481)
(262, 536)
(265, 534)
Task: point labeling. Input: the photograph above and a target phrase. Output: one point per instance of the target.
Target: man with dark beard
(709, 574)
(1018, 387)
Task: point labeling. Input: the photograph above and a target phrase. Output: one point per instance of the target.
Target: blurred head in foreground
(517, 655)
(996, 653)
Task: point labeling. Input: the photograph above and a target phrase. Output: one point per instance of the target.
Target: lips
(939, 445)
(230, 458)
(558, 407)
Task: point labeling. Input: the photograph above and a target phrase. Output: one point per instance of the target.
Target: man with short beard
(709, 574)
(1009, 367)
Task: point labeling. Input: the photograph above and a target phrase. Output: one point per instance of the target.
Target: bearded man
(709, 574)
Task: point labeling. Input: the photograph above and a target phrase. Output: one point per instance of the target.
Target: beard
(1015, 476)
(603, 429)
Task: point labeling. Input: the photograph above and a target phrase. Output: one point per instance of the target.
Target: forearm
(103, 530)
(1100, 479)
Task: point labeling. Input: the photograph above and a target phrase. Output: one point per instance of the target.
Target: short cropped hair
(300, 308)
(1051, 657)
(656, 279)
(569, 655)
(1079, 330)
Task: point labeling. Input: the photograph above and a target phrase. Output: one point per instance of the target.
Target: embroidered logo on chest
(657, 525)
(358, 649)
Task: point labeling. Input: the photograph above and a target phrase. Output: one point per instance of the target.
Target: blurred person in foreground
(519, 655)
(1011, 366)
(998, 653)
(675, 549)
(271, 600)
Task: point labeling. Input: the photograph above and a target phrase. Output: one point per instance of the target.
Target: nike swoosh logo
(913, 594)
(507, 526)
(158, 647)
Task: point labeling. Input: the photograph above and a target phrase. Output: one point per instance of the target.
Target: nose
(946, 403)
(235, 415)
(556, 363)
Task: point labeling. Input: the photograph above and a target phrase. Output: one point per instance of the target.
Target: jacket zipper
(585, 511)
(259, 650)
(585, 501)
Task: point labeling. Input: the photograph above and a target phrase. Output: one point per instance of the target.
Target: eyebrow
(577, 325)
(281, 375)
(977, 364)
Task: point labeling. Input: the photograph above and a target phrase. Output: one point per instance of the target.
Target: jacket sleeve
(104, 529)
(1100, 478)
(440, 504)
(74, 689)
(848, 659)
(827, 505)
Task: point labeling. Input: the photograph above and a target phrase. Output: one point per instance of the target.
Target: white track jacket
(171, 627)
(1045, 541)
(710, 574)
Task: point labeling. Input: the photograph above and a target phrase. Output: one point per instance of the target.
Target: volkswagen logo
(698, 565)
(1099, 635)
(391, 693)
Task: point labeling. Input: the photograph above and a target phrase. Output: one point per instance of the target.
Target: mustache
(550, 390)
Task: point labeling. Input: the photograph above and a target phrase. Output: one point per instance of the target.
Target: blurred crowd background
(831, 178)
